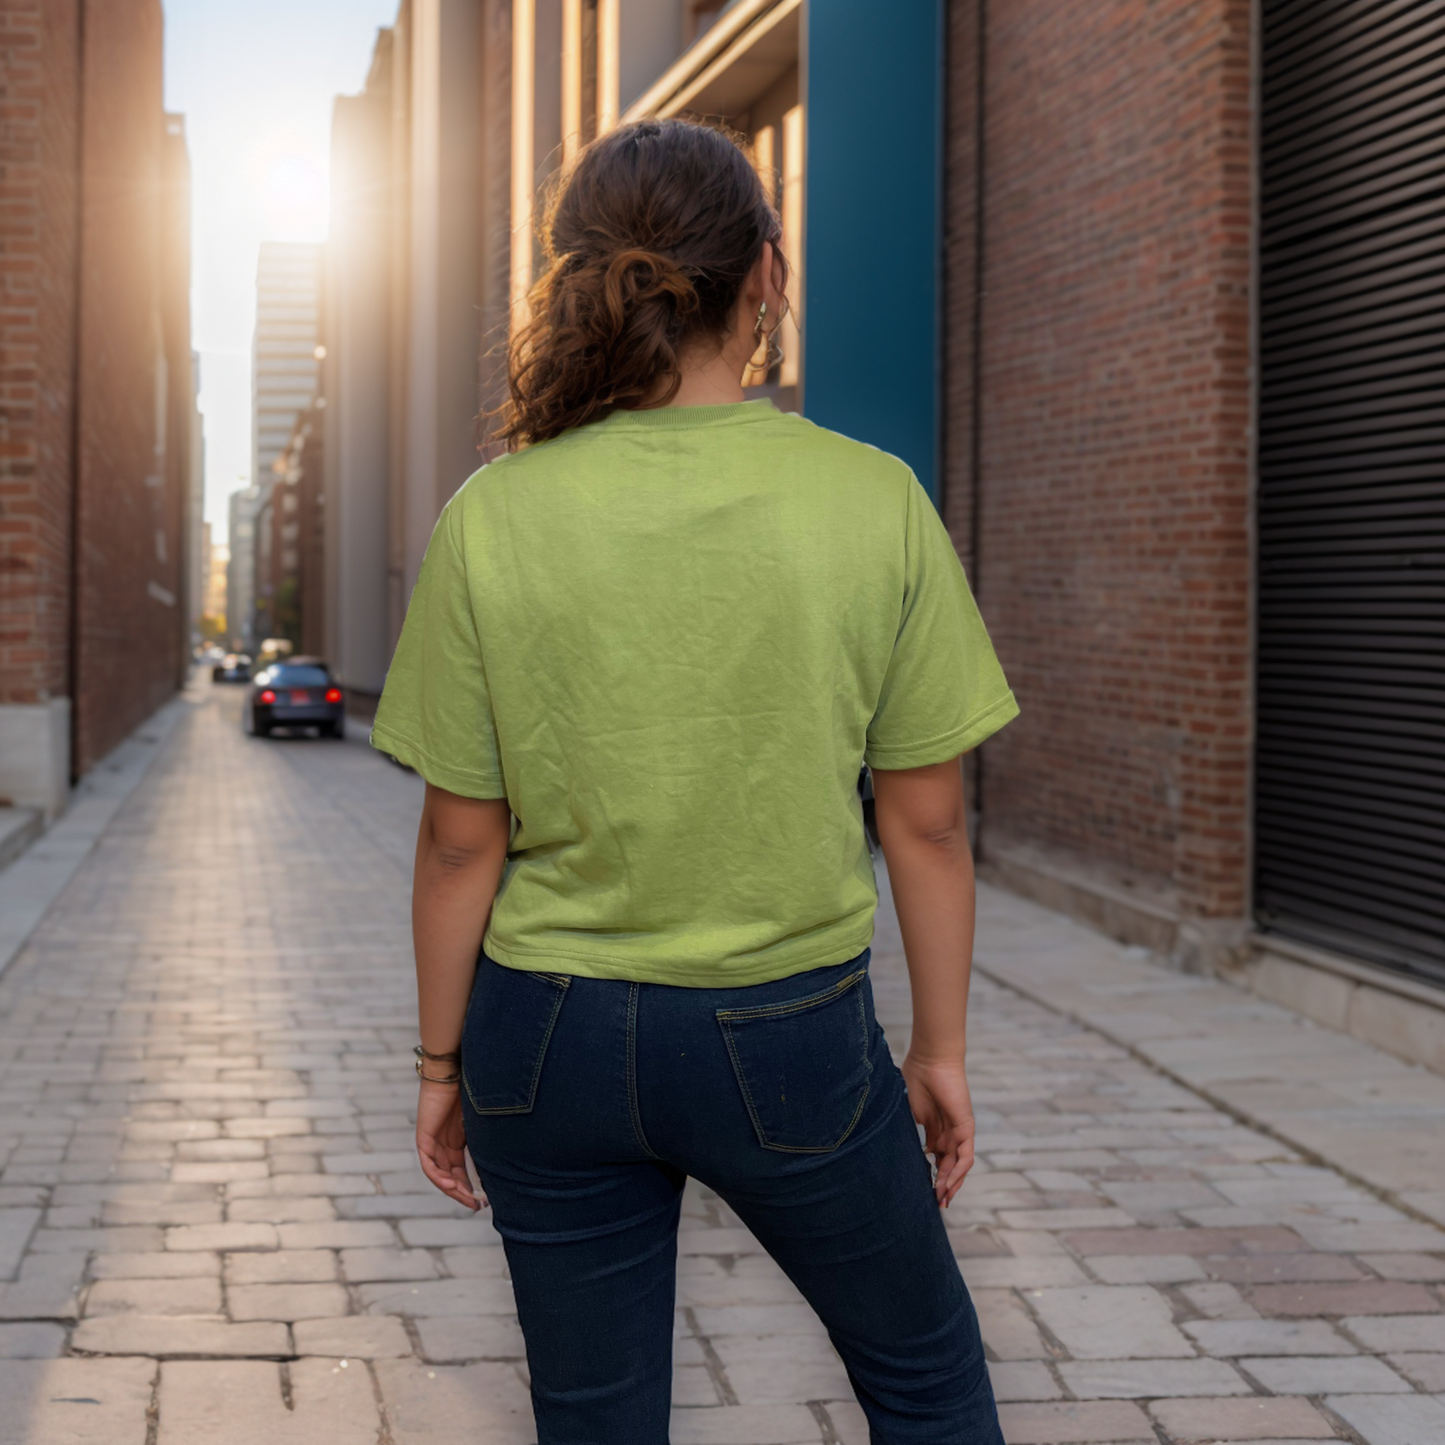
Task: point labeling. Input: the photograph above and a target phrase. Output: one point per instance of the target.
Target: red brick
(38, 65)
(1113, 486)
(77, 441)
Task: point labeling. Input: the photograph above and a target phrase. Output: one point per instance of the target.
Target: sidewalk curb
(32, 883)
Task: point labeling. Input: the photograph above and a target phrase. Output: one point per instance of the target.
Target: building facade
(1148, 297)
(416, 278)
(98, 424)
(1193, 335)
(290, 532)
(284, 363)
(198, 546)
(285, 368)
(242, 508)
(1098, 269)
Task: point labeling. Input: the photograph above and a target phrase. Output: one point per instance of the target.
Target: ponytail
(648, 245)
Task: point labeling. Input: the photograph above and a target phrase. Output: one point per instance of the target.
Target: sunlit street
(212, 1207)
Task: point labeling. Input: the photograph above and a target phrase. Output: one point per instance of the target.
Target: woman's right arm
(923, 827)
(461, 849)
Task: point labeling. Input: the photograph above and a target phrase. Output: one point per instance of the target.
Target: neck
(711, 381)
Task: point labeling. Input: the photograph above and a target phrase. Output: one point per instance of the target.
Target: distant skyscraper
(241, 567)
(284, 363)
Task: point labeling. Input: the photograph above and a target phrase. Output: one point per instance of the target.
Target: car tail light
(267, 696)
(333, 694)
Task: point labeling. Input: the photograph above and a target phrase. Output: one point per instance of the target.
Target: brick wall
(960, 273)
(182, 501)
(1113, 499)
(130, 584)
(94, 366)
(38, 198)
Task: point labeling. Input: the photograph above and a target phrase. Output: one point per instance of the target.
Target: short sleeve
(944, 691)
(435, 713)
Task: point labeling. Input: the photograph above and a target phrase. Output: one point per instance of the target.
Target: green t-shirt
(669, 639)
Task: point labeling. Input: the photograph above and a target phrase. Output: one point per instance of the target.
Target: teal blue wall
(872, 290)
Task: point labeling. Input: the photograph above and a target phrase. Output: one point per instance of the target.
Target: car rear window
(299, 677)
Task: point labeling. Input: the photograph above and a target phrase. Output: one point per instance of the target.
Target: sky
(255, 80)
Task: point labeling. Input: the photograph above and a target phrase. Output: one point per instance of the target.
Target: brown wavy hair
(648, 243)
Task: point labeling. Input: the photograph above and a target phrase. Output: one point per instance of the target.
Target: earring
(768, 338)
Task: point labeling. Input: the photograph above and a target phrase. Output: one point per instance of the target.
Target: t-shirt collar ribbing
(673, 418)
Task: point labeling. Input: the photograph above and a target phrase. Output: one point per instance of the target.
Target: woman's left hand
(938, 1095)
(441, 1142)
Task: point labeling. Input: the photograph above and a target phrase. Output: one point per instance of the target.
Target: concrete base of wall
(19, 828)
(1404, 1017)
(1395, 1013)
(35, 755)
(1135, 913)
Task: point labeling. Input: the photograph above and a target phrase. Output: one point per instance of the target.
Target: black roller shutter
(1350, 780)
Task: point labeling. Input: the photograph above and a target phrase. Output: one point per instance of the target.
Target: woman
(646, 655)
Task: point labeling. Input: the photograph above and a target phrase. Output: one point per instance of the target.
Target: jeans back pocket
(803, 1065)
(509, 1024)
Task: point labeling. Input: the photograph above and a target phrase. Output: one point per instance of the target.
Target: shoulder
(503, 474)
(489, 482)
(862, 457)
(844, 461)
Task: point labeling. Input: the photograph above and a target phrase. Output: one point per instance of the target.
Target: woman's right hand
(441, 1143)
(939, 1098)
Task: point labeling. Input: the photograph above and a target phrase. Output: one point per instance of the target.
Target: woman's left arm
(461, 848)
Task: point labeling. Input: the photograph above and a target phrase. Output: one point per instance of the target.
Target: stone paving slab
(1109, 1422)
(233, 1402)
(1273, 1419)
(75, 1402)
(1352, 1106)
(1392, 1419)
(208, 1200)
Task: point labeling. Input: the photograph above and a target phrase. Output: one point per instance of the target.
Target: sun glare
(293, 195)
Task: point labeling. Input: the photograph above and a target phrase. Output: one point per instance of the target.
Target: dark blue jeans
(590, 1101)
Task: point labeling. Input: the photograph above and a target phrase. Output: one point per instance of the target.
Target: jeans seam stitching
(632, 1104)
(842, 1138)
(782, 1010)
(742, 1082)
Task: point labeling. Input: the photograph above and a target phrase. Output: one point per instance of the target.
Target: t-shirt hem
(968, 735)
(679, 975)
(455, 780)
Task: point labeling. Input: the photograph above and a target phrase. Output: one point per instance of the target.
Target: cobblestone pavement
(213, 1230)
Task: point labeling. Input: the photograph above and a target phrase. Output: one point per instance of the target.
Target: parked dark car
(296, 693)
(233, 667)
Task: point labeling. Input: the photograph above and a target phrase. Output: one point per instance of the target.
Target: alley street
(213, 1230)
